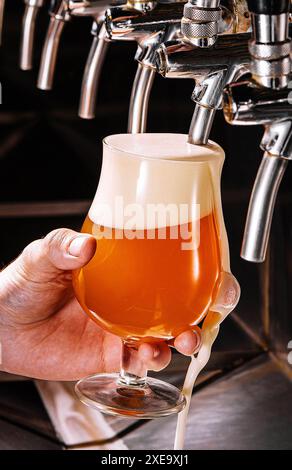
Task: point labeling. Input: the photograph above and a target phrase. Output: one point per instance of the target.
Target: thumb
(60, 250)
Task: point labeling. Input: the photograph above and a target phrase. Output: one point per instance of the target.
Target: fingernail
(76, 246)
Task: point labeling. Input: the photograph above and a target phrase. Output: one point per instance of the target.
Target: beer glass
(161, 250)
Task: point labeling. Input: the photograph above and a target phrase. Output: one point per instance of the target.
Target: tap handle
(261, 208)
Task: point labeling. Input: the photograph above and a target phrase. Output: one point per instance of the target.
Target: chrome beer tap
(147, 23)
(212, 61)
(2, 7)
(93, 69)
(32, 8)
(266, 100)
(61, 12)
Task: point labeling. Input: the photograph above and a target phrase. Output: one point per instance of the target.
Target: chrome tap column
(265, 100)
(212, 68)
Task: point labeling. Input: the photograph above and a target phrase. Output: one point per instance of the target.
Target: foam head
(144, 170)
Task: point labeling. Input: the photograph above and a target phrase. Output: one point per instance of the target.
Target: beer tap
(93, 69)
(32, 8)
(265, 99)
(2, 6)
(213, 60)
(61, 12)
(147, 23)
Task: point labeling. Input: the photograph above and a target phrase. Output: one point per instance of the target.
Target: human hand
(43, 331)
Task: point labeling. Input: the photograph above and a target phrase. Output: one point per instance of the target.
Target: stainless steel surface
(204, 15)
(277, 139)
(60, 9)
(271, 68)
(201, 125)
(94, 8)
(123, 23)
(141, 90)
(212, 70)
(159, 26)
(49, 54)
(249, 104)
(129, 25)
(61, 12)
(249, 408)
(245, 103)
(270, 51)
(199, 34)
(148, 29)
(270, 28)
(178, 60)
(261, 208)
(205, 3)
(28, 32)
(92, 75)
(200, 22)
(271, 63)
(2, 8)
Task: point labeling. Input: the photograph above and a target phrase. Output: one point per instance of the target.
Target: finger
(62, 249)
(188, 342)
(156, 356)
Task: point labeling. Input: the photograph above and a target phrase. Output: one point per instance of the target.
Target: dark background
(49, 167)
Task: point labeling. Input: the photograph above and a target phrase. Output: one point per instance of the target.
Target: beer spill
(209, 334)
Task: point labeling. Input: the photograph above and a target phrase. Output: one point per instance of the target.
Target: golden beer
(149, 288)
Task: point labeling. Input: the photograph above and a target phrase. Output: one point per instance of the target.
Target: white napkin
(74, 422)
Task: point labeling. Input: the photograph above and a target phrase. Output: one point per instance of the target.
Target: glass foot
(155, 399)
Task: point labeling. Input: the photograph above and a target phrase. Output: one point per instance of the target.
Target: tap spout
(92, 74)
(50, 49)
(31, 11)
(2, 7)
(141, 91)
(261, 208)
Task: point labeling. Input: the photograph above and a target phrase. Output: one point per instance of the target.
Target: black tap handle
(268, 7)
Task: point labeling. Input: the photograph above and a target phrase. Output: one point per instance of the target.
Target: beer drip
(225, 301)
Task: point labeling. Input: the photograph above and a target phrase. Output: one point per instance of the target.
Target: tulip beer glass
(161, 249)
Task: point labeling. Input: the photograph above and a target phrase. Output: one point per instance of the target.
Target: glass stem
(133, 371)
